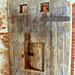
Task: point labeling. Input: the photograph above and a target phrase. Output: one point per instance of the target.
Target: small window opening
(45, 7)
(23, 9)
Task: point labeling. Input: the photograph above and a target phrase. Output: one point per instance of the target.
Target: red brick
(72, 60)
(3, 27)
(73, 45)
(73, 39)
(1, 33)
(6, 33)
(73, 25)
(73, 42)
(72, 69)
(6, 45)
(72, 72)
(73, 49)
(73, 30)
(72, 66)
(73, 36)
(5, 36)
(73, 54)
(5, 42)
(72, 57)
(2, 39)
(73, 5)
(72, 63)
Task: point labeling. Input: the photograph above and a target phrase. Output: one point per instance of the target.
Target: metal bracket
(57, 19)
(30, 54)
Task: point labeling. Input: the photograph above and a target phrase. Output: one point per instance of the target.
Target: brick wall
(73, 41)
(4, 56)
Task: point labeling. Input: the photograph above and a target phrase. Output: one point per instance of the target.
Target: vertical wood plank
(15, 16)
(16, 52)
(60, 48)
(9, 13)
(53, 52)
(41, 30)
(66, 47)
(11, 55)
(47, 43)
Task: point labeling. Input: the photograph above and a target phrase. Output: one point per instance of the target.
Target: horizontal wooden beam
(57, 19)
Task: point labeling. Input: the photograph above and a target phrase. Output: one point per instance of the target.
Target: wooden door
(51, 39)
(34, 56)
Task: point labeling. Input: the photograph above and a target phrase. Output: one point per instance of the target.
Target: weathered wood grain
(52, 34)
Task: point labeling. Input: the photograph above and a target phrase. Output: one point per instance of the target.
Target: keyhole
(22, 55)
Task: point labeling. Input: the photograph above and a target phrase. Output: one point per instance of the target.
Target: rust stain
(24, 20)
(1, 52)
(13, 21)
(27, 36)
(1, 22)
(34, 20)
(22, 58)
(60, 47)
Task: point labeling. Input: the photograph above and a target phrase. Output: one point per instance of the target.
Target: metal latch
(30, 54)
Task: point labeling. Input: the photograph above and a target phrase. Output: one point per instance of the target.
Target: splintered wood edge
(22, 13)
(33, 71)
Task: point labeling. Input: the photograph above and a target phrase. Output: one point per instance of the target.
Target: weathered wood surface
(52, 34)
(34, 56)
